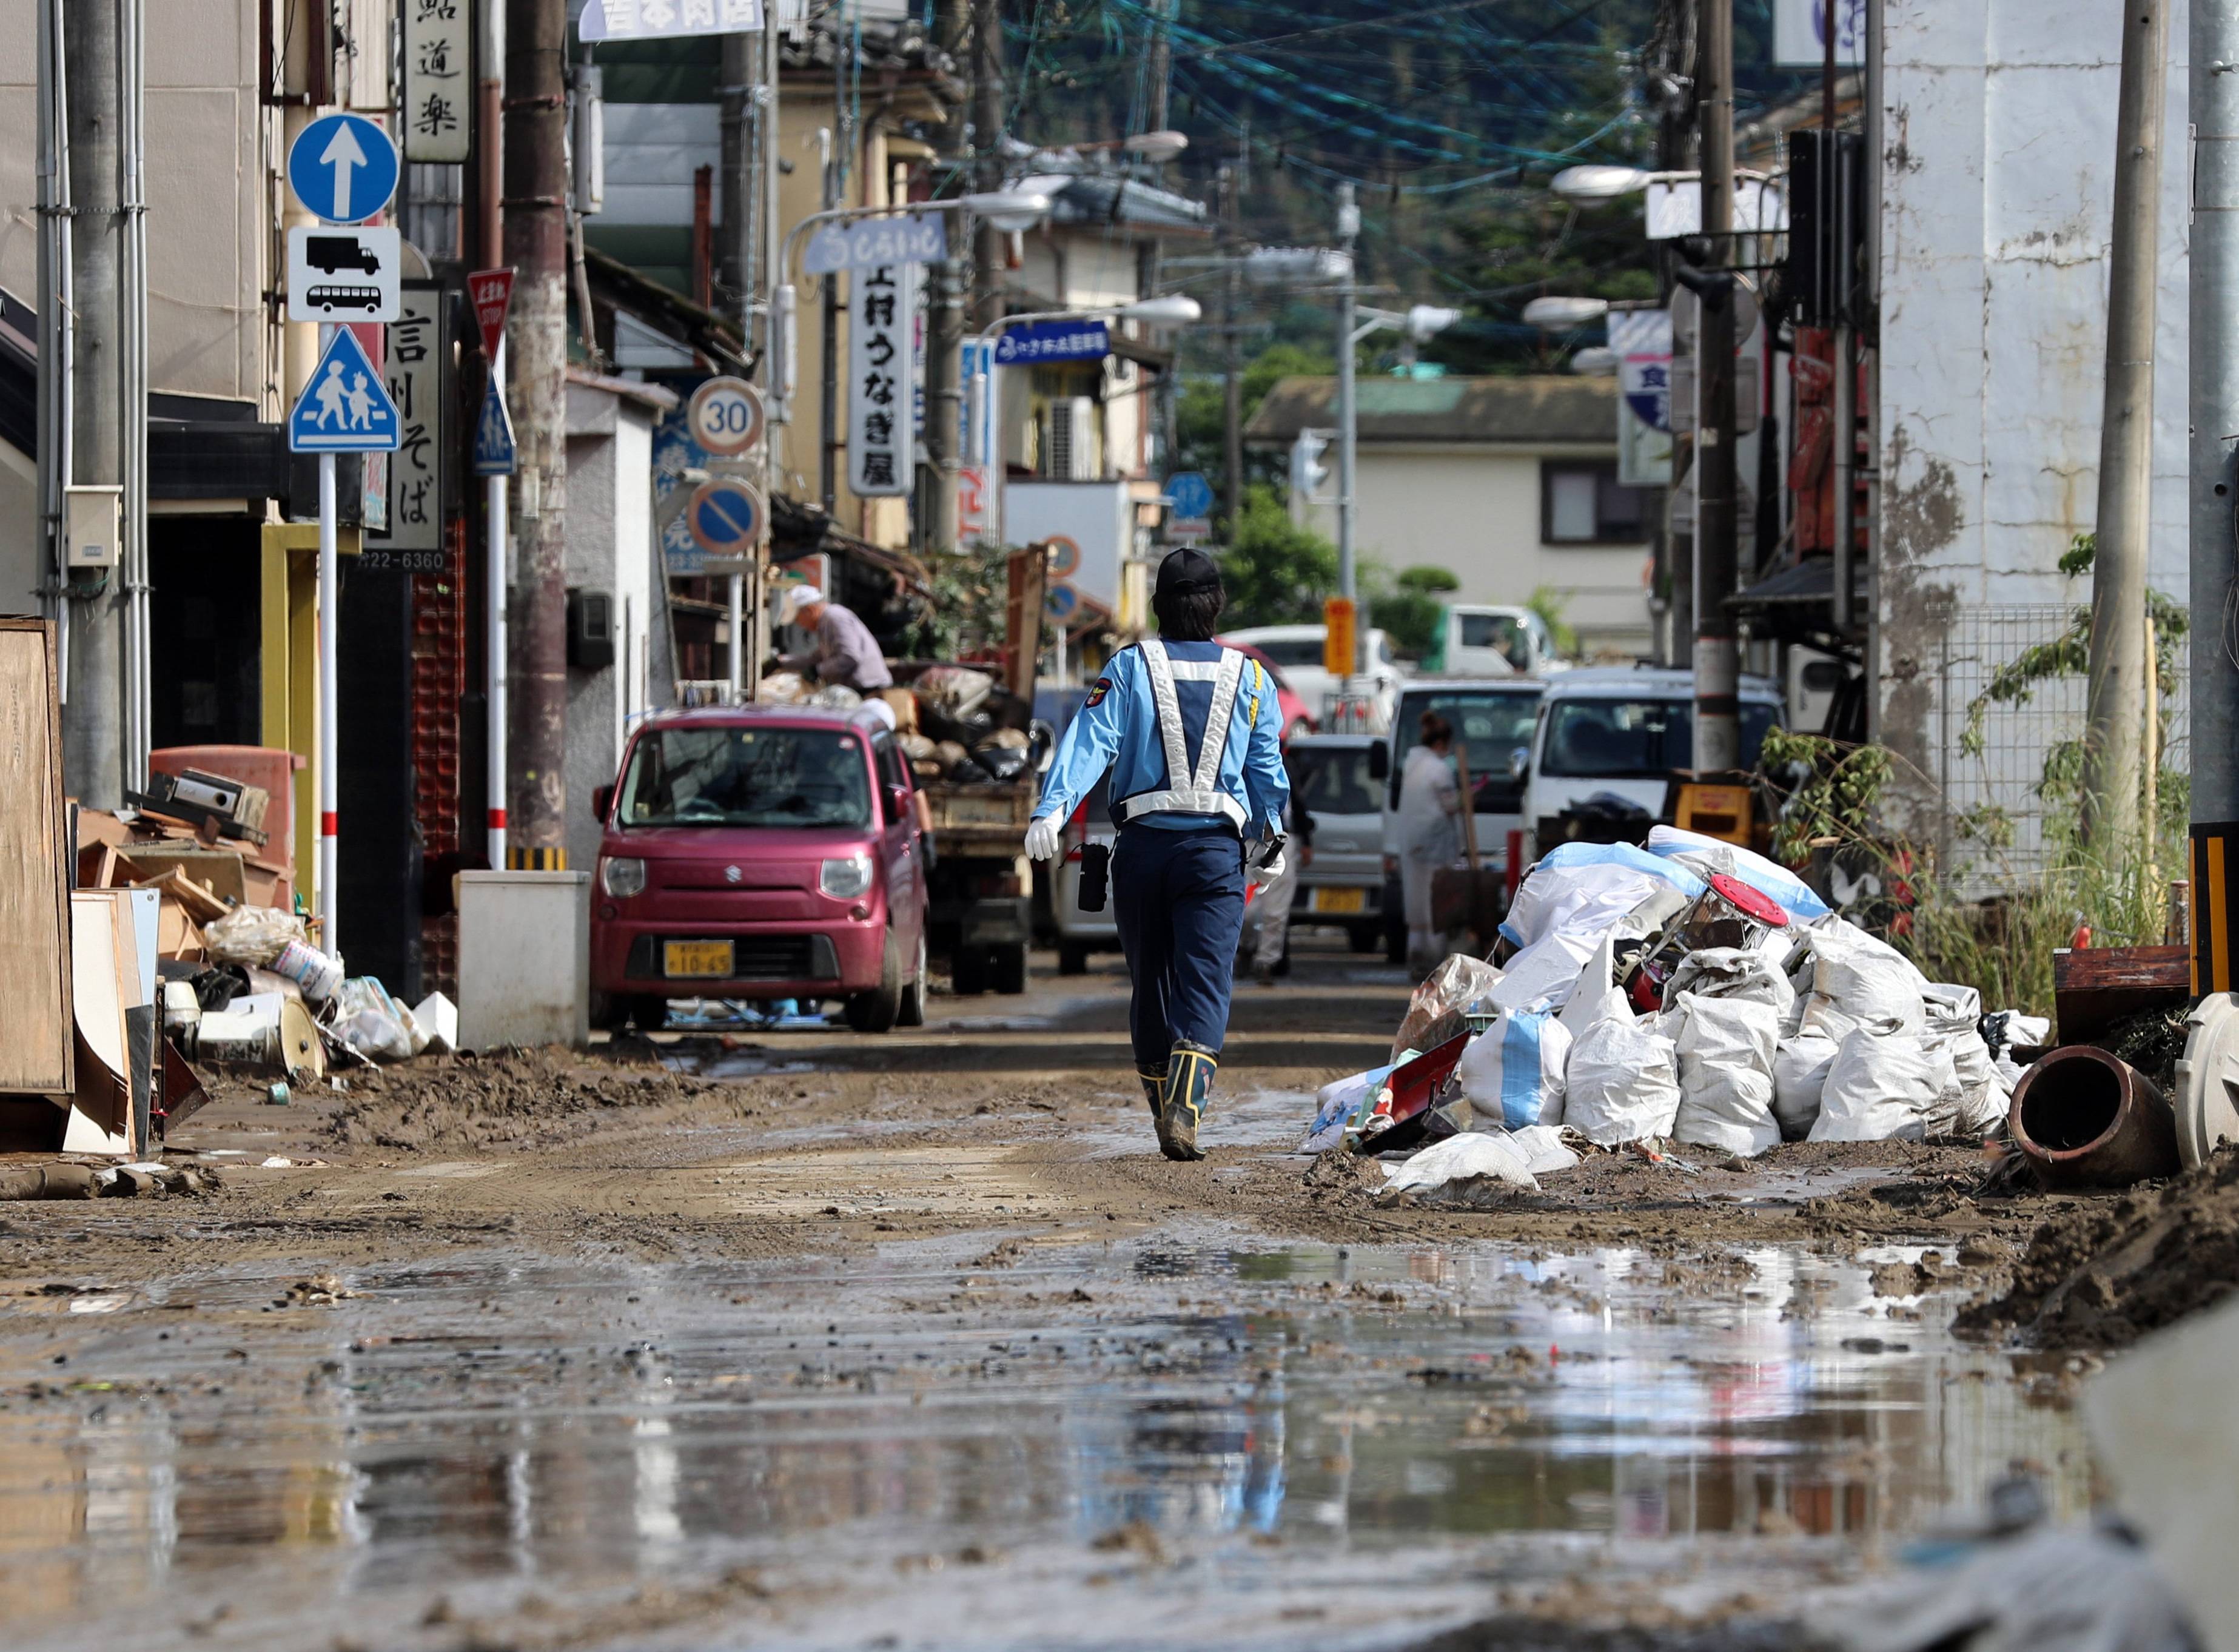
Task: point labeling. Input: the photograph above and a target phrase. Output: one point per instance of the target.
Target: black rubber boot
(1154, 1088)
(1189, 1086)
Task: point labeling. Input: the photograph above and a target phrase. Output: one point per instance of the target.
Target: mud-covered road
(802, 1338)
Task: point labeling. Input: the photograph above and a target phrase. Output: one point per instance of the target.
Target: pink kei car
(760, 853)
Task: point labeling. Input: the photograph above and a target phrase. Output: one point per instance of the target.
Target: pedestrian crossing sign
(345, 407)
(493, 449)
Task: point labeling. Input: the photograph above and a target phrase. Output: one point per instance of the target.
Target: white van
(1491, 640)
(1627, 730)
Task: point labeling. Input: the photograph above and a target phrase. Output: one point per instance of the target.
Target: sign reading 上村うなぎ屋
(881, 437)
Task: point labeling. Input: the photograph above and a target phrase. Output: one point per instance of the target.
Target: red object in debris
(2080, 938)
(1750, 903)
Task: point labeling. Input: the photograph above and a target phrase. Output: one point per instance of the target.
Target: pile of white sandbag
(1816, 1032)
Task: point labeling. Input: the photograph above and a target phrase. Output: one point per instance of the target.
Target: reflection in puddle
(494, 1424)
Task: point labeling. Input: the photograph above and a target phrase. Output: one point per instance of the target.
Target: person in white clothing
(1267, 914)
(1430, 800)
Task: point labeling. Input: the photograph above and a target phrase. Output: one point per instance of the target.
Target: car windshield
(1591, 738)
(1331, 780)
(1491, 725)
(1498, 630)
(746, 777)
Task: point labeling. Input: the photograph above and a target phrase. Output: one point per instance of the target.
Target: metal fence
(1992, 754)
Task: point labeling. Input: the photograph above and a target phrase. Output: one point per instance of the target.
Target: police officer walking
(1190, 732)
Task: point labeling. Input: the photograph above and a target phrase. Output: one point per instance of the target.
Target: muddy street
(793, 1336)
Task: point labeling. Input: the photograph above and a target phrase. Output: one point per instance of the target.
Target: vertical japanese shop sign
(415, 374)
(436, 83)
(881, 435)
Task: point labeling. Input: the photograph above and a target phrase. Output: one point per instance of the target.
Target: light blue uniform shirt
(1118, 726)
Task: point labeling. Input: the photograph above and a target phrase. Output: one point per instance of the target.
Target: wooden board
(2097, 987)
(36, 858)
(105, 971)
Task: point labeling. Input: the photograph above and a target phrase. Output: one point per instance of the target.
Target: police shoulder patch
(1096, 694)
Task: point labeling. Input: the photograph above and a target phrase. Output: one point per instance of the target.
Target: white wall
(609, 548)
(1476, 511)
(1998, 178)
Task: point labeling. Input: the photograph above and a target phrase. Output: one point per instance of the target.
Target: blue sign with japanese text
(1052, 341)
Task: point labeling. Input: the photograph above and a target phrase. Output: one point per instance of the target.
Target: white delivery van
(1491, 640)
(1626, 730)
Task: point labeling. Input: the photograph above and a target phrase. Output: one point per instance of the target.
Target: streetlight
(1173, 310)
(1560, 313)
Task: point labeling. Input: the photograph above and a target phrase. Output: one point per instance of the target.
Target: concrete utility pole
(1718, 659)
(2214, 107)
(1232, 350)
(735, 261)
(988, 252)
(2114, 760)
(1348, 231)
(536, 351)
(93, 722)
(944, 397)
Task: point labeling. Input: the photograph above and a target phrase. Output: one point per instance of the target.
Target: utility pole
(537, 349)
(2213, 110)
(988, 258)
(735, 260)
(2115, 706)
(945, 333)
(1348, 231)
(1718, 659)
(1232, 376)
(835, 185)
(93, 722)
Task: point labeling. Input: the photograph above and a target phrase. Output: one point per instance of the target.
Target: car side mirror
(1379, 761)
(898, 805)
(1520, 764)
(602, 797)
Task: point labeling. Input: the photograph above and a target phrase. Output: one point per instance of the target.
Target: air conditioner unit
(1070, 453)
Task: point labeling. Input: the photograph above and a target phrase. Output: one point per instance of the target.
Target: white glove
(1042, 836)
(1272, 867)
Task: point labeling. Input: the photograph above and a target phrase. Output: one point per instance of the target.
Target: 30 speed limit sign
(726, 415)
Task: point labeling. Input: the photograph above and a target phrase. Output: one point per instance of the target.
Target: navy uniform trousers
(1177, 898)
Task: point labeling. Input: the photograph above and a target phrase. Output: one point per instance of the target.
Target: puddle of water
(1304, 1416)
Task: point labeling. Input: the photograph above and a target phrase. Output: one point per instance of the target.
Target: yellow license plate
(710, 958)
(1340, 900)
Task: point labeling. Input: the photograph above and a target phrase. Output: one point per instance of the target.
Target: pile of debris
(954, 723)
(1687, 991)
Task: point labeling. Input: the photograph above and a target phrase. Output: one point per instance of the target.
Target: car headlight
(622, 876)
(845, 878)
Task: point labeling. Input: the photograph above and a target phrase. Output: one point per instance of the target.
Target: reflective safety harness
(1190, 791)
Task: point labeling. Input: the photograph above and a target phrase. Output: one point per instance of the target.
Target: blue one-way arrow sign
(343, 167)
(494, 450)
(345, 407)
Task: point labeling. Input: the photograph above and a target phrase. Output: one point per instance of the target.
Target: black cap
(1186, 570)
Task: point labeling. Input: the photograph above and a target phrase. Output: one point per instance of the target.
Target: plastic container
(246, 1031)
(319, 976)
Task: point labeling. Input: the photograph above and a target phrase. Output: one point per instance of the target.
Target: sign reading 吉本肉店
(438, 83)
(881, 435)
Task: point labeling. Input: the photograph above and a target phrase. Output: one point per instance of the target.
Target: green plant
(1276, 572)
(966, 616)
(1408, 612)
(1549, 603)
(1830, 799)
